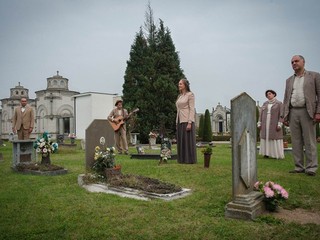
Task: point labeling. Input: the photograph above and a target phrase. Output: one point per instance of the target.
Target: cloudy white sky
(226, 47)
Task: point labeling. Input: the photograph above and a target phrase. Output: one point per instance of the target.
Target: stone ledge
(130, 192)
(67, 145)
(152, 156)
(42, 173)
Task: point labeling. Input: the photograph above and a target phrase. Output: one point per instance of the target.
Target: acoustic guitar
(119, 121)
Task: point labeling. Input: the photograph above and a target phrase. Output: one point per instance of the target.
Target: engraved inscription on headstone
(246, 158)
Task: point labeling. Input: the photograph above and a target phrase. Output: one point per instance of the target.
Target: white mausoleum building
(220, 120)
(57, 109)
(90, 106)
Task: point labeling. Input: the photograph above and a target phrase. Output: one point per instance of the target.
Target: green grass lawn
(55, 207)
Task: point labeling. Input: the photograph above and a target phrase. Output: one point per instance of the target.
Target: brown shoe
(296, 171)
(311, 173)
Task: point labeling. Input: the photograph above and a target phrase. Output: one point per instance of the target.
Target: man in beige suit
(301, 111)
(23, 120)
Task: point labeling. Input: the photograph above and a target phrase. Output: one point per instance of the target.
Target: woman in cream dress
(270, 125)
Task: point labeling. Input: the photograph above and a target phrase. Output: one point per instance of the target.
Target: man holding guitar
(117, 118)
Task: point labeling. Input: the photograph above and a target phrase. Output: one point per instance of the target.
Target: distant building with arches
(220, 120)
(57, 110)
(53, 108)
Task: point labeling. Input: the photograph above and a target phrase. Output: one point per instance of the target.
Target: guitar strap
(122, 110)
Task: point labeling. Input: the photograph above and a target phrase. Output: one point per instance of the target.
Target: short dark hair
(118, 102)
(270, 90)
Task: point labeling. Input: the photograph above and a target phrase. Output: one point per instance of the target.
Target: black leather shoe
(296, 171)
(311, 173)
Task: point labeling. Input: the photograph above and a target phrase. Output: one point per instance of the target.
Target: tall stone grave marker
(99, 129)
(247, 203)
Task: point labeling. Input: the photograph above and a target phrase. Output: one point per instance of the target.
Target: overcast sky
(225, 47)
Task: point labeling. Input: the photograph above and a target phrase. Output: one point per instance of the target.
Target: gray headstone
(247, 203)
(23, 152)
(97, 130)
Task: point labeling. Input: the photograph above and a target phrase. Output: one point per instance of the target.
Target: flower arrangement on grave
(165, 154)
(273, 193)
(104, 159)
(72, 137)
(44, 145)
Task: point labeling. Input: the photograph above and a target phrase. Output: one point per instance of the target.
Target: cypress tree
(151, 79)
(207, 130)
(201, 127)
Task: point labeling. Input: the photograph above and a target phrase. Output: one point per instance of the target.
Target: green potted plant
(207, 152)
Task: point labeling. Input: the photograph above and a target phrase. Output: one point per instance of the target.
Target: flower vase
(45, 158)
(270, 204)
(207, 158)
